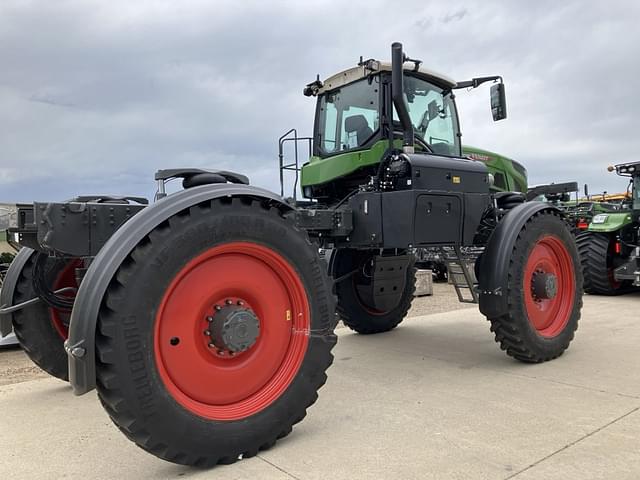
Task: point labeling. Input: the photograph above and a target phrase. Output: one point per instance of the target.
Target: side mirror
(433, 109)
(586, 191)
(498, 102)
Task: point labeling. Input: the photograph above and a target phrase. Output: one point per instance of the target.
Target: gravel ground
(15, 366)
(444, 299)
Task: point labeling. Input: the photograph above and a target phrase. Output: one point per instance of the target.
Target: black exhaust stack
(397, 95)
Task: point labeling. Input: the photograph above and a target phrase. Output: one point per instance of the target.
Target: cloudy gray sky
(96, 95)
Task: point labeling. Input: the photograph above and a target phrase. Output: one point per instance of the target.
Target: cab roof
(370, 67)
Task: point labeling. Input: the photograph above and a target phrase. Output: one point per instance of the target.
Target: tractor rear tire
(539, 326)
(167, 375)
(596, 257)
(353, 311)
(40, 329)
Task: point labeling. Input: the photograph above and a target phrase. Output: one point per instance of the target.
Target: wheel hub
(233, 328)
(544, 285)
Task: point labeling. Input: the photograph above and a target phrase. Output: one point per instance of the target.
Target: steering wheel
(418, 140)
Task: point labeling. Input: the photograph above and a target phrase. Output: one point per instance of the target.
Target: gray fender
(82, 331)
(9, 288)
(495, 259)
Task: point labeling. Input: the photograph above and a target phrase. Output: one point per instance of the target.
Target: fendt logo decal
(480, 156)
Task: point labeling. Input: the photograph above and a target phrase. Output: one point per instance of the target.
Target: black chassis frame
(77, 228)
(440, 201)
(332, 226)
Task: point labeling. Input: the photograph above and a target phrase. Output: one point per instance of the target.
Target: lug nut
(228, 302)
(218, 308)
(209, 319)
(207, 333)
(211, 345)
(240, 302)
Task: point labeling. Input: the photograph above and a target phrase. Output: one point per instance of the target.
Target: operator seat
(359, 125)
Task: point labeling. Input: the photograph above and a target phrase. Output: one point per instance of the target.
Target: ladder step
(460, 276)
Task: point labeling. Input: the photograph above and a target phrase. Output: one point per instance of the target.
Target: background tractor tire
(353, 311)
(596, 256)
(537, 329)
(40, 329)
(167, 375)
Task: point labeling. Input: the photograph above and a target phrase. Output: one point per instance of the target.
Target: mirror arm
(476, 82)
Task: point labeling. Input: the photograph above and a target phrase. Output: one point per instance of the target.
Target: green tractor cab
(610, 248)
(357, 124)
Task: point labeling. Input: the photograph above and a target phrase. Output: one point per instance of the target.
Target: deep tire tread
(512, 330)
(34, 329)
(594, 252)
(109, 387)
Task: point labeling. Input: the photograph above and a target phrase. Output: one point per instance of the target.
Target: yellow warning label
(455, 179)
(288, 315)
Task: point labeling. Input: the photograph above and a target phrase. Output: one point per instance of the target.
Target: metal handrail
(295, 166)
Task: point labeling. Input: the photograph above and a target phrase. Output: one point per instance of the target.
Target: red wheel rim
(66, 278)
(223, 387)
(549, 316)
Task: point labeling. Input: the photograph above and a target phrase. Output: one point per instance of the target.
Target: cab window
(348, 117)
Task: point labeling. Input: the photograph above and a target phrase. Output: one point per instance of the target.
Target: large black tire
(522, 332)
(142, 400)
(596, 256)
(35, 326)
(353, 311)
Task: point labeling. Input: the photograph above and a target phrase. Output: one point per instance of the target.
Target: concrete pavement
(433, 399)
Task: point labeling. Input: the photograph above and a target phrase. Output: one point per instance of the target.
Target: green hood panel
(515, 175)
(323, 170)
(609, 222)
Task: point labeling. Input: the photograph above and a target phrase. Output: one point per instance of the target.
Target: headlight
(601, 218)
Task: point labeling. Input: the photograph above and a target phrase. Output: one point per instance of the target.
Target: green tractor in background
(610, 248)
(581, 212)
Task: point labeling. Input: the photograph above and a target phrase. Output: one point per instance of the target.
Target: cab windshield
(433, 116)
(349, 117)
